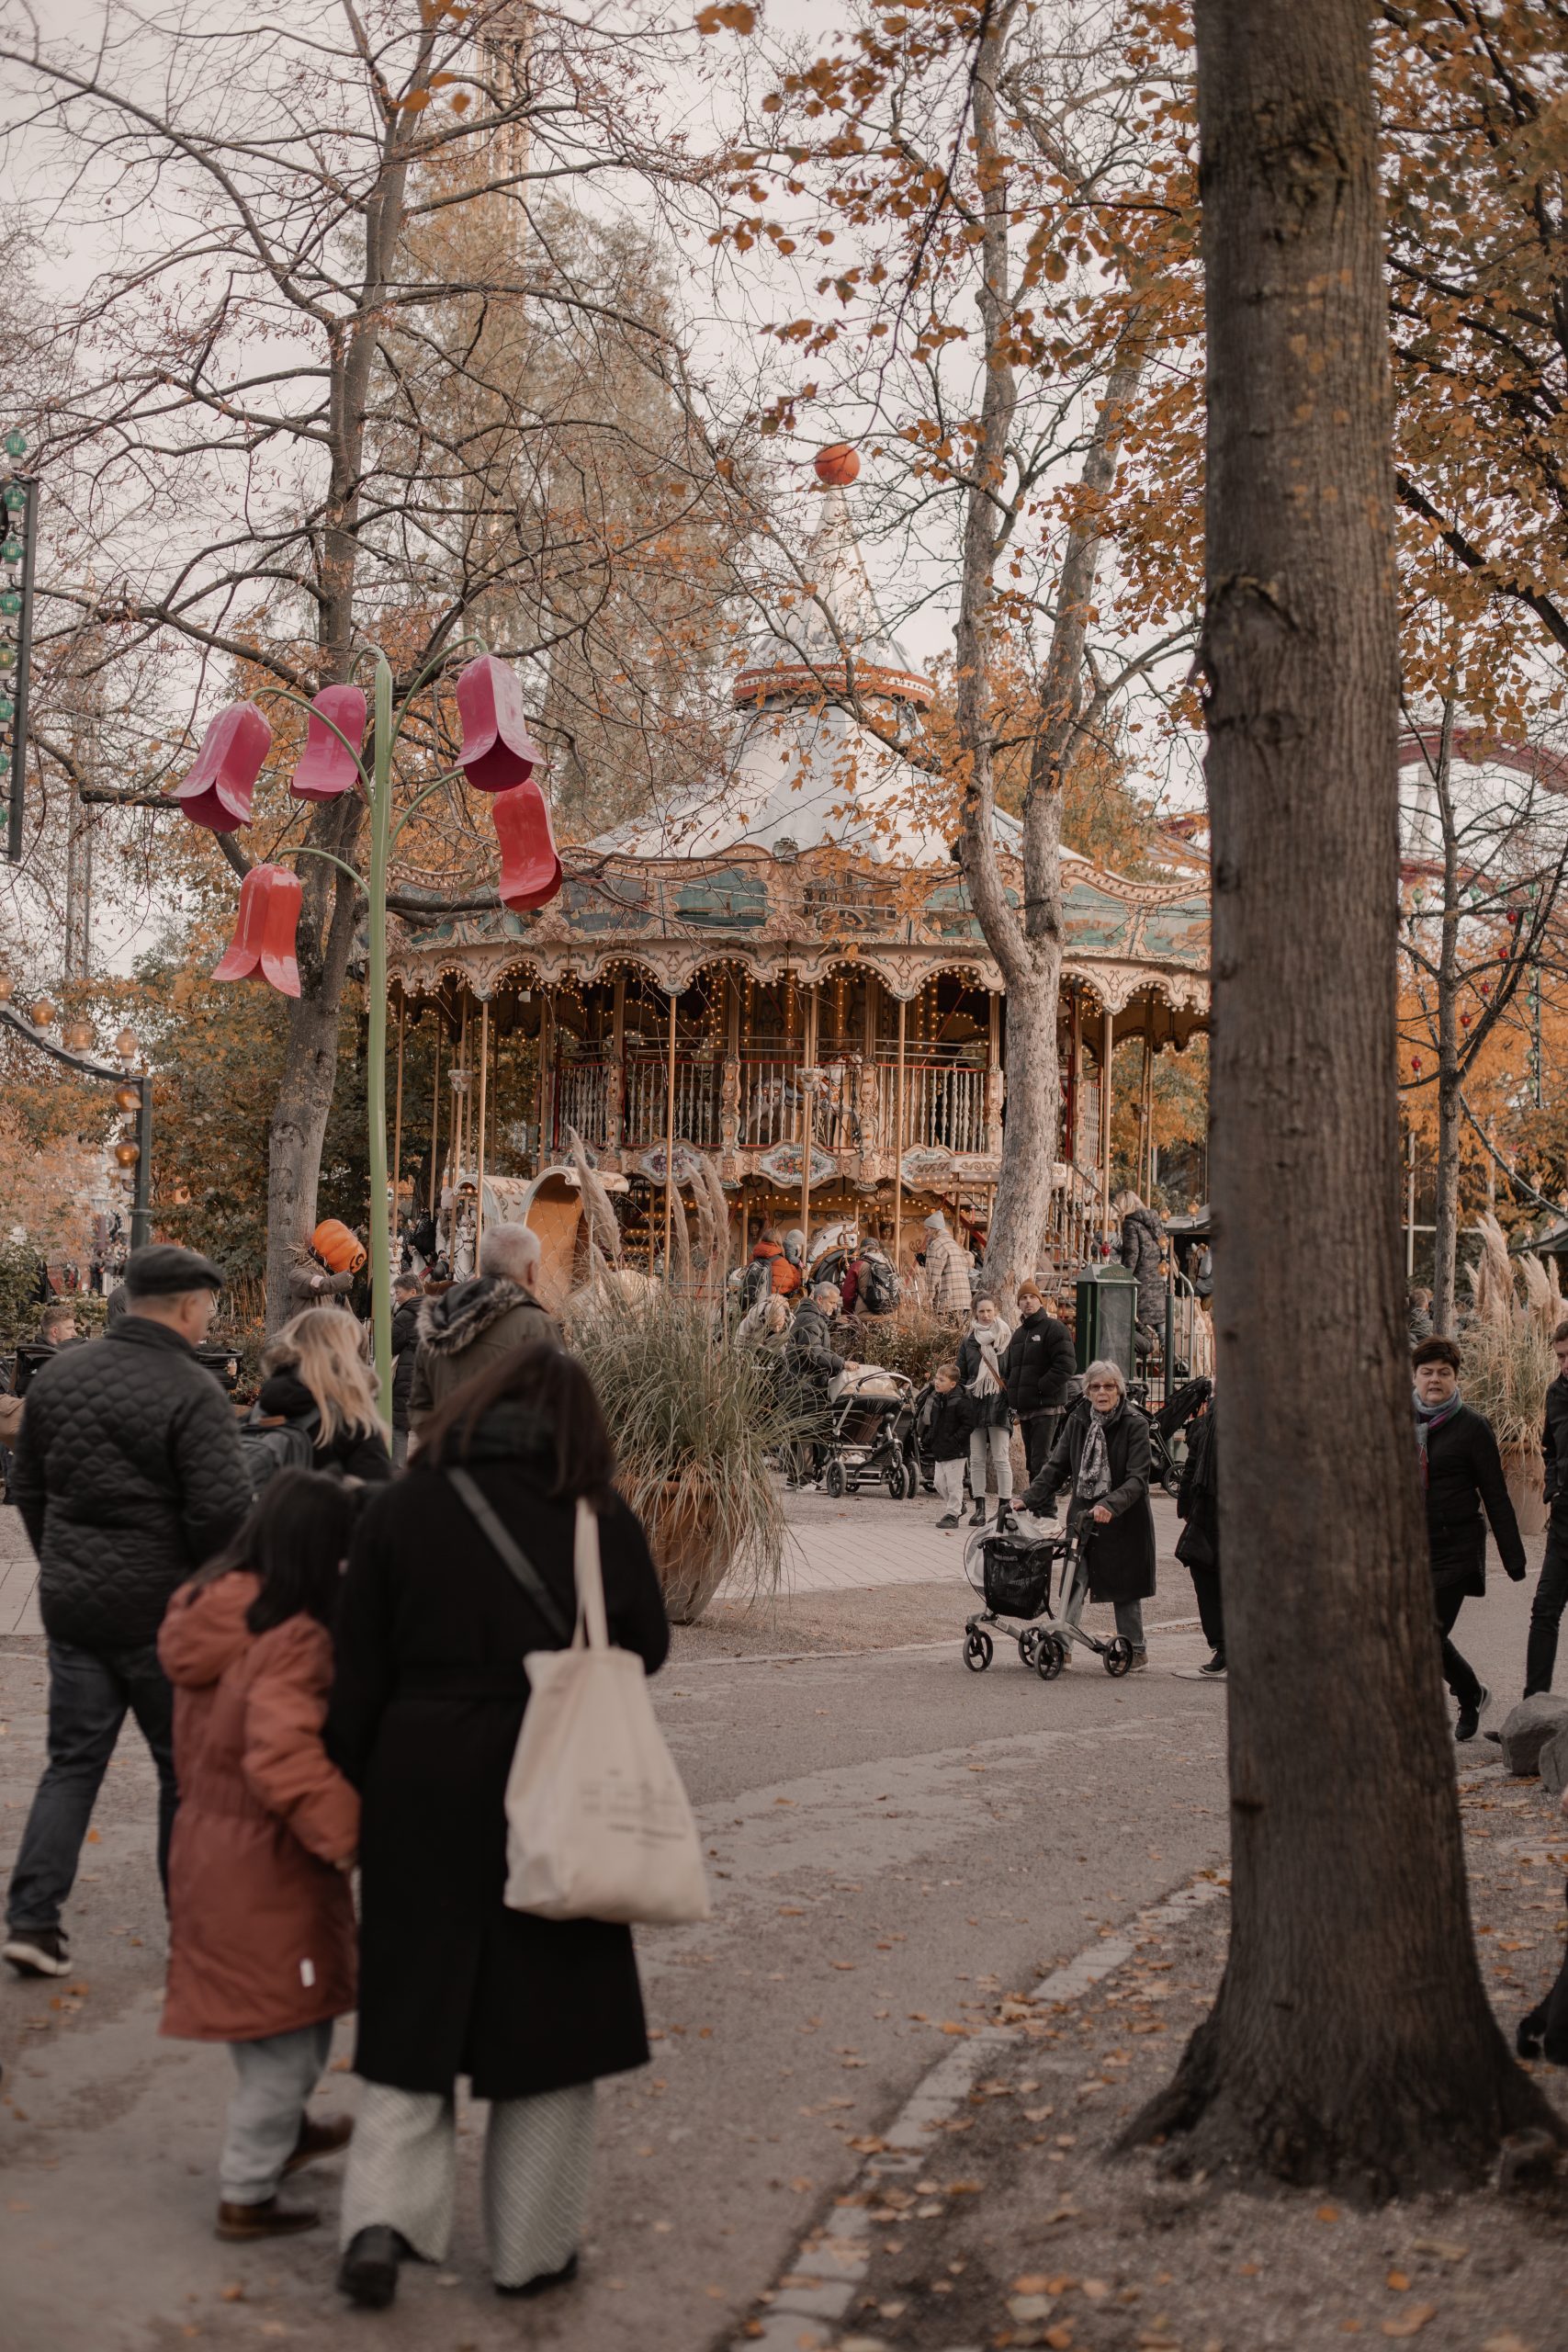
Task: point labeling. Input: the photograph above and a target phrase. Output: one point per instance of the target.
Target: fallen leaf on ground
(1446, 2249)
(1398, 2281)
(1034, 2282)
(1508, 2343)
(1328, 2213)
(1413, 2320)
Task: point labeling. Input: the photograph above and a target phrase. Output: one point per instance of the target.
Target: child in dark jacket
(944, 1419)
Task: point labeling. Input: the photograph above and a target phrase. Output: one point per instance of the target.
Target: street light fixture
(43, 1015)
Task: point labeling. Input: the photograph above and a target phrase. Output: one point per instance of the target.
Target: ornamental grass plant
(697, 1420)
(1508, 1363)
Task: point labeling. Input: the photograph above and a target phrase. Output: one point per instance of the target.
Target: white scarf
(990, 1339)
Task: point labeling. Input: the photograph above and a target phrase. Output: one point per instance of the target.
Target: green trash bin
(1107, 1316)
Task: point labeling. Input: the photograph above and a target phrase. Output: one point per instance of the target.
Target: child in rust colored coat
(261, 1918)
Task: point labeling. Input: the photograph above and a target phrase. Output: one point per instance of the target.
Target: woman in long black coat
(431, 1632)
(1102, 1454)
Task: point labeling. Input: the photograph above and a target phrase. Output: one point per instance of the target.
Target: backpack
(757, 1281)
(878, 1286)
(269, 1444)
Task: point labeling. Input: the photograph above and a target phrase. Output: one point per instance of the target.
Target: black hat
(160, 1269)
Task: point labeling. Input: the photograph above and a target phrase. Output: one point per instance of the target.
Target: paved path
(892, 1842)
(857, 1545)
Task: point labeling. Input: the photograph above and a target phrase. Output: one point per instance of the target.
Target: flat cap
(160, 1268)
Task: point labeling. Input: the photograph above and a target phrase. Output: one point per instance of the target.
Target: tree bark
(1352, 2042)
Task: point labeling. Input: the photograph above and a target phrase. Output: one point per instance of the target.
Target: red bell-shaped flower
(498, 750)
(530, 870)
(326, 764)
(263, 938)
(216, 793)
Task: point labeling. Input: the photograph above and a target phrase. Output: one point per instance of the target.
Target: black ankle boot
(368, 2274)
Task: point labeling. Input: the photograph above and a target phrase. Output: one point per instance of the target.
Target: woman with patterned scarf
(1102, 1454)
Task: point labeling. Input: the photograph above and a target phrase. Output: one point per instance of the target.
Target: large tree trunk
(1352, 2041)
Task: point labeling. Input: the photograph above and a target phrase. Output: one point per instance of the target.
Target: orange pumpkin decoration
(336, 1247)
(837, 466)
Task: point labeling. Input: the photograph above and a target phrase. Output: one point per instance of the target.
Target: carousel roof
(805, 772)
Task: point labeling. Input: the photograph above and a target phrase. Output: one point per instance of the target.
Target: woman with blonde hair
(318, 1378)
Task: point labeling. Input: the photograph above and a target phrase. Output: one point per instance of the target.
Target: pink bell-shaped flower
(530, 870)
(217, 792)
(326, 766)
(270, 898)
(498, 750)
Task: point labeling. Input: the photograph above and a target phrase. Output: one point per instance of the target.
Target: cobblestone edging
(804, 2310)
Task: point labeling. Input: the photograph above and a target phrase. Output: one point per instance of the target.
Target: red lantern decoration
(836, 467)
(217, 792)
(498, 752)
(530, 870)
(263, 939)
(326, 766)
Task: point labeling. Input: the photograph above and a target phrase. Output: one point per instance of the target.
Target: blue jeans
(90, 1694)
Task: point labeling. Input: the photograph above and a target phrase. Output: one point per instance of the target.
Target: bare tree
(993, 330)
(1352, 2040)
(1487, 867)
(272, 441)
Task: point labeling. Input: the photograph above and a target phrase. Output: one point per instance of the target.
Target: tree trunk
(1352, 2042)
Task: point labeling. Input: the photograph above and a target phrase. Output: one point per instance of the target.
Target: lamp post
(497, 758)
(20, 498)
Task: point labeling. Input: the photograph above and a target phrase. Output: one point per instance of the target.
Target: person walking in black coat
(1198, 1545)
(1552, 1591)
(128, 1475)
(1102, 1454)
(811, 1365)
(1461, 1473)
(1143, 1250)
(1038, 1368)
(408, 1296)
(432, 1631)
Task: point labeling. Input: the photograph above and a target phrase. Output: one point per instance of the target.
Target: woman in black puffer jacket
(317, 1375)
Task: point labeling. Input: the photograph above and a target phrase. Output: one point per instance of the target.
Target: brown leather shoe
(268, 2220)
(325, 2135)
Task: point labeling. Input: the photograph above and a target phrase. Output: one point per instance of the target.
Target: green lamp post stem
(376, 994)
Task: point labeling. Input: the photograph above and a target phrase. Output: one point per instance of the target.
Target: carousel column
(435, 1120)
(808, 1120)
(898, 1141)
(994, 1082)
(398, 1127)
(669, 1148)
(1146, 1117)
(547, 1077)
(1107, 1063)
(616, 1076)
(484, 1108)
(458, 1132)
(729, 1094)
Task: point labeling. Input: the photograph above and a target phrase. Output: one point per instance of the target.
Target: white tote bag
(597, 1822)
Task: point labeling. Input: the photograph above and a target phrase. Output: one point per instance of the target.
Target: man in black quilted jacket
(128, 1475)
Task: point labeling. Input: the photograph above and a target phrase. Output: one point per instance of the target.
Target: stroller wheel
(1030, 1644)
(835, 1482)
(1053, 1657)
(896, 1486)
(1118, 1656)
(977, 1651)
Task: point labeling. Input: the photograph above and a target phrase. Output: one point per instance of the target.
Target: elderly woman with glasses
(1102, 1455)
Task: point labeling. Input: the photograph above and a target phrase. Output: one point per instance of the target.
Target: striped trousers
(539, 2155)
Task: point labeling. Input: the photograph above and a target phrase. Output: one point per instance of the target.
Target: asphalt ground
(893, 1843)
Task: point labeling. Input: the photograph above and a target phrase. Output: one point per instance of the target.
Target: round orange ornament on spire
(837, 466)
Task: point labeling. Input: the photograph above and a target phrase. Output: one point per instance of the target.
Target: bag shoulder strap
(589, 1575)
(510, 1552)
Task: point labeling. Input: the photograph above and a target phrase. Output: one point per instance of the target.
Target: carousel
(780, 976)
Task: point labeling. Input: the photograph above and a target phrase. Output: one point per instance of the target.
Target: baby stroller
(1167, 1428)
(871, 1417)
(1013, 1574)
